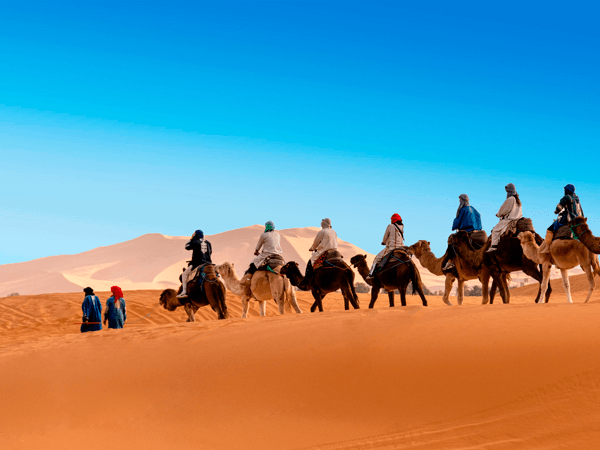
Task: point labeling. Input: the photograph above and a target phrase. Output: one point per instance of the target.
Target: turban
(510, 190)
(117, 292)
(326, 223)
(88, 291)
(569, 189)
(464, 201)
(269, 226)
(198, 234)
(396, 218)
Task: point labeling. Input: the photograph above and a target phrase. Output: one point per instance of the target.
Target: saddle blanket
(400, 253)
(563, 232)
(330, 256)
(518, 226)
(272, 263)
(207, 269)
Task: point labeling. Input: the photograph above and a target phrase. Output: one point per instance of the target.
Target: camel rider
(510, 210)
(467, 219)
(567, 209)
(269, 242)
(393, 238)
(326, 239)
(201, 254)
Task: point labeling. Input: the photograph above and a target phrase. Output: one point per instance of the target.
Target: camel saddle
(273, 263)
(331, 258)
(518, 226)
(477, 239)
(563, 232)
(399, 255)
(204, 271)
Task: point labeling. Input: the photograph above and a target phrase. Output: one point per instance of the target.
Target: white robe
(392, 239)
(326, 239)
(270, 244)
(509, 211)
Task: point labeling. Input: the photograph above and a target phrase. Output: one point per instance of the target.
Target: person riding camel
(510, 210)
(567, 209)
(326, 239)
(393, 238)
(467, 219)
(201, 254)
(269, 242)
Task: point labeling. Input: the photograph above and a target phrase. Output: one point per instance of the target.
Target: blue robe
(468, 219)
(92, 309)
(116, 316)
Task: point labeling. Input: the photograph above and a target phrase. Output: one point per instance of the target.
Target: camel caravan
(471, 255)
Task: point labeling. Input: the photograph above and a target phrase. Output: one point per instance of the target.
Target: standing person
(269, 243)
(326, 239)
(467, 219)
(201, 254)
(393, 238)
(92, 311)
(510, 210)
(115, 313)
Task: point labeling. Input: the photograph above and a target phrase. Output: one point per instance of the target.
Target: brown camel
(565, 254)
(396, 274)
(580, 228)
(201, 292)
(326, 280)
(265, 285)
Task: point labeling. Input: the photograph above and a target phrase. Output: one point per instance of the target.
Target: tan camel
(264, 286)
(565, 254)
(422, 251)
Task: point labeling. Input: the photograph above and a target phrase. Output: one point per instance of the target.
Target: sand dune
(155, 261)
(473, 377)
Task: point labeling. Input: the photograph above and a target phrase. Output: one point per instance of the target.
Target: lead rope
(131, 323)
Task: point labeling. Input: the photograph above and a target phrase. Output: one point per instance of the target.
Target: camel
(397, 273)
(210, 291)
(565, 254)
(580, 229)
(265, 285)
(324, 281)
(422, 250)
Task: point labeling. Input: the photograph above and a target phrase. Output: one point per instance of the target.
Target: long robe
(115, 314)
(392, 239)
(326, 239)
(509, 211)
(269, 242)
(92, 309)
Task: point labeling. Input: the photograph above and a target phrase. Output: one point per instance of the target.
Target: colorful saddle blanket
(398, 256)
(331, 258)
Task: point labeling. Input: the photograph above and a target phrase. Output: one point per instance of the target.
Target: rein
(575, 235)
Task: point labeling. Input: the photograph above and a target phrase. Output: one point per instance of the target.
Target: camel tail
(595, 265)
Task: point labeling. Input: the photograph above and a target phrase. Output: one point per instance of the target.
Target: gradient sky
(124, 118)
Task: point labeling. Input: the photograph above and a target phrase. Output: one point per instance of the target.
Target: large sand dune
(155, 261)
(517, 376)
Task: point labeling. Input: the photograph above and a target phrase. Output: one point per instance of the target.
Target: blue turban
(199, 234)
(569, 189)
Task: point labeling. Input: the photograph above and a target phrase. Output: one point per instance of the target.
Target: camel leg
(276, 285)
(460, 291)
(503, 286)
(318, 301)
(484, 277)
(421, 294)
(374, 292)
(391, 298)
(590, 276)
(291, 294)
(245, 305)
(262, 307)
(190, 312)
(448, 288)
(402, 295)
(546, 267)
(533, 270)
(564, 273)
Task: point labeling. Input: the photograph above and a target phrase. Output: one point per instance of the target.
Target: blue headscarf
(569, 189)
(198, 234)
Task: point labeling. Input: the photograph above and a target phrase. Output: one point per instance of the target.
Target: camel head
(168, 300)
(526, 237)
(420, 247)
(226, 269)
(290, 269)
(356, 260)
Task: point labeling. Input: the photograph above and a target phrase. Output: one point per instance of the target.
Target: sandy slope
(518, 376)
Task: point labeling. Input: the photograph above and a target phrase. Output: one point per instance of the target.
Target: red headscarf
(396, 218)
(117, 292)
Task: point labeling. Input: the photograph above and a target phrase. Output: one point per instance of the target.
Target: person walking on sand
(115, 314)
(92, 312)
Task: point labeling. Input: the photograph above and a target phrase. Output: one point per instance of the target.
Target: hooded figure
(92, 311)
(269, 244)
(115, 313)
(510, 210)
(393, 238)
(567, 209)
(326, 239)
(467, 217)
(201, 254)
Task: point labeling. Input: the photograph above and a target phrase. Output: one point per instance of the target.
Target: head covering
(510, 190)
(198, 234)
(396, 218)
(269, 226)
(88, 291)
(117, 292)
(326, 223)
(464, 201)
(569, 189)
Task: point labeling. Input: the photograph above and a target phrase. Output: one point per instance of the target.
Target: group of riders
(467, 219)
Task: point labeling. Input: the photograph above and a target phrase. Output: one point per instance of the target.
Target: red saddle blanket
(330, 258)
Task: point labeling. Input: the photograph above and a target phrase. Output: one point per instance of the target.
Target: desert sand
(516, 376)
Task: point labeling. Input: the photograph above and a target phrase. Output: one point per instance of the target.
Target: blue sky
(124, 118)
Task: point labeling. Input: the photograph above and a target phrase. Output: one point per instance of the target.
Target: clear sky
(124, 118)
